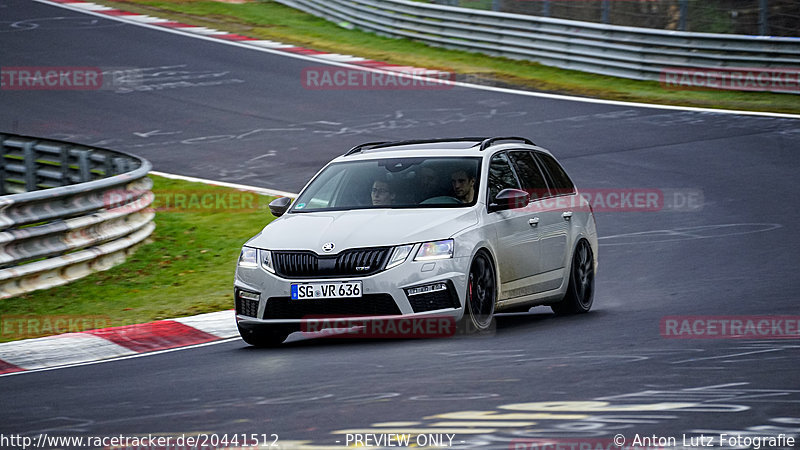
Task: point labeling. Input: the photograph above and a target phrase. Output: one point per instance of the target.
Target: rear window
(530, 175)
(560, 182)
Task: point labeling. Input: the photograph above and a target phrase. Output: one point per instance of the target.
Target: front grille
(246, 307)
(368, 305)
(434, 300)
(295, 264)
(355, 262)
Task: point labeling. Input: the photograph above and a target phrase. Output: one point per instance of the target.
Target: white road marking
(143, 19)
(256, 189)
(91, 6)
(270, 44)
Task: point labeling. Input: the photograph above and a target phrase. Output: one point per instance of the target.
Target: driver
(463, 186)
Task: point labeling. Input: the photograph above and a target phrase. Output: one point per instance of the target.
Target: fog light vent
(426, 289)
(247, 303)
(433, 296)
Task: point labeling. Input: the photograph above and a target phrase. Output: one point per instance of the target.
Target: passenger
(382, 193)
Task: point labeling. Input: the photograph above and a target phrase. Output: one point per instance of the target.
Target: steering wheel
(442, 200)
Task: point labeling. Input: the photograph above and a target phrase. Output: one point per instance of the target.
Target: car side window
(561, 184)
(529, 174)
(501, 176)
(325, 196)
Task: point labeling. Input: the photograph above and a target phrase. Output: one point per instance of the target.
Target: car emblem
(327, 248)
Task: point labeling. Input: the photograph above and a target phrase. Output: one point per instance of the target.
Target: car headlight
(248, 257)
(435, 250)
(253, 257)
(265, 256)
(399, 255)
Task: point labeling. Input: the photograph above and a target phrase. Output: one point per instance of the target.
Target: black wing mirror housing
(279, 206)
(510, 199)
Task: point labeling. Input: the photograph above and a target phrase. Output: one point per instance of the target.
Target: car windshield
(393, 183)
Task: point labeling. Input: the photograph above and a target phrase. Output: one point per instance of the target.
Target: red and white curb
(96, 345)
(126, 16)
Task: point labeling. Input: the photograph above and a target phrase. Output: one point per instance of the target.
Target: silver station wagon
(457, 228)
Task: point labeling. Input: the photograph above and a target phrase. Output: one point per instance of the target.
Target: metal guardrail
(67, 210)
(628, 52)
(762, 17)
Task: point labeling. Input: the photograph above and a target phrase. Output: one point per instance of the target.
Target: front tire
(266, 335)
(481, 295)
(580, 291)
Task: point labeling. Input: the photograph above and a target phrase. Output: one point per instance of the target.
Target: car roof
(461, 146)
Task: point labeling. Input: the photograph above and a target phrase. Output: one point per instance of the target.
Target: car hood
(362, 228)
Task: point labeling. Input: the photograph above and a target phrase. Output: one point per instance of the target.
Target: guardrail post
(83, 166)
(606, 6)
(763, 18)
(2, 166)
(120, 166)
(497, 5)
(683, 13)
(64, 157)
(29, 158)
(546, 8)
(108, 166)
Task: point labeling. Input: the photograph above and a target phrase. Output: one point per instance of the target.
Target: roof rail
(485, 142)
(488, 142)
(359, 147)
(371, 145)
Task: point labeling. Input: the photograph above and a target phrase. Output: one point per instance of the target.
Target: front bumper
(264, 298)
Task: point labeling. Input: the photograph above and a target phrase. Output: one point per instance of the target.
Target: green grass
(186, 267)
(270, 20)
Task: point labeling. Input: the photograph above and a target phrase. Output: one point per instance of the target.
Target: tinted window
(500, 176)
(561, 184)
(529, 174)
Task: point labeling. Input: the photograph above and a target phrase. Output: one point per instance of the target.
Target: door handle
(567, 215)
(533, 222)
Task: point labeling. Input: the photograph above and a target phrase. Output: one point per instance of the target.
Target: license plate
(326, 290)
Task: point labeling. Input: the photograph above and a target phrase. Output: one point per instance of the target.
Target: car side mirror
(510, 199)
(279, 206)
